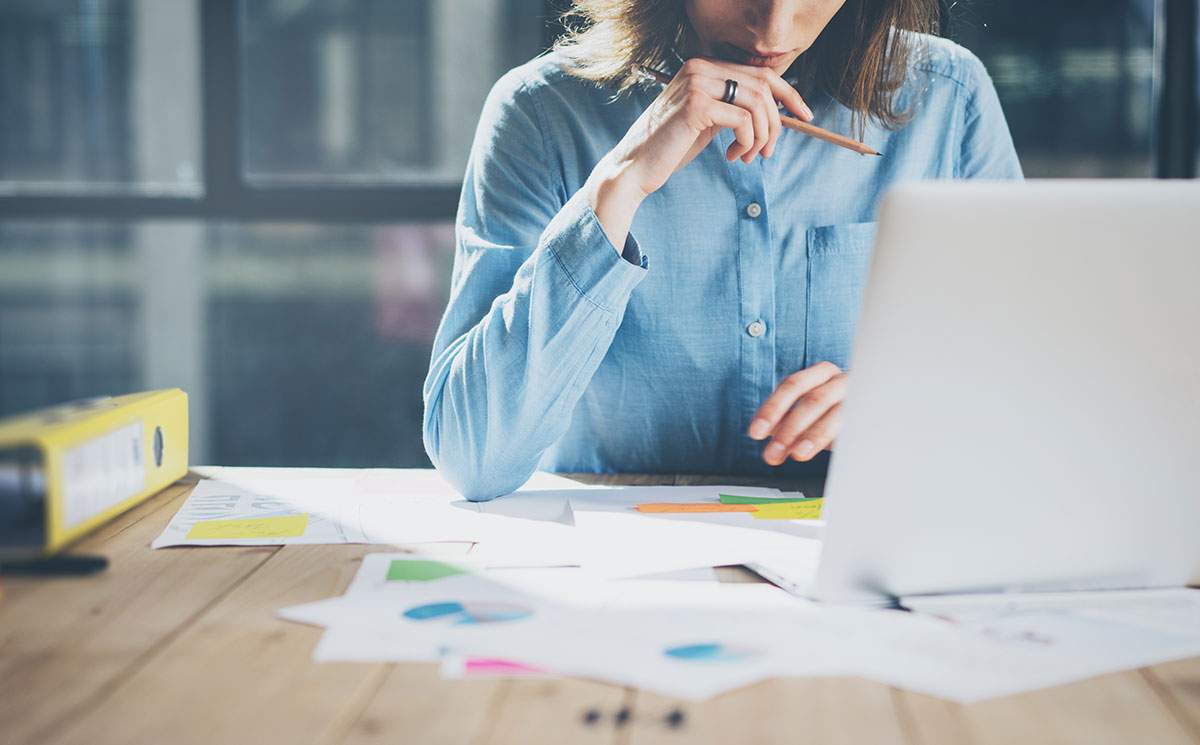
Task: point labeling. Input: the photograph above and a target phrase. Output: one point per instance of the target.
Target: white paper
(618, 541)
(374, 620)
(696, 639)
(1175, 609)
(793, 569)
(635, 648)
(327, 503)
(1020, 642)
(625, 544)
(391, 506)
(578, 623)
(699, 574)
(417, 620)
(370, 590)
(700, 644)
(543, 524)
(623, 500)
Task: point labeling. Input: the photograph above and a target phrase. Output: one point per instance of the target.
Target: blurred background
(253, 200)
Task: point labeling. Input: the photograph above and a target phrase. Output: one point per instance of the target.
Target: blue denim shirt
(556, 352)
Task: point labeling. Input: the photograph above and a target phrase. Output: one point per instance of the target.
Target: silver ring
(730, 91)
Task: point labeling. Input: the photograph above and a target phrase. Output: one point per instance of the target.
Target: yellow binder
(67, 469)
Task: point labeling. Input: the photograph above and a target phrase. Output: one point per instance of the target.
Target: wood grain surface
(181, 645)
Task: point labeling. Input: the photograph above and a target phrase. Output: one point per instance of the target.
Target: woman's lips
(747, 57)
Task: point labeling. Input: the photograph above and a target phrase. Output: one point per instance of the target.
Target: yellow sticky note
(807, 510)
(283, 526)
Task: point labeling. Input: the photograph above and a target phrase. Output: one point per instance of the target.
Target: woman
(660, 279)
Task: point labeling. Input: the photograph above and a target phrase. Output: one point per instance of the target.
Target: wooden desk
(180, 645)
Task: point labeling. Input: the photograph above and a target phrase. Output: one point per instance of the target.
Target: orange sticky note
(692, 507)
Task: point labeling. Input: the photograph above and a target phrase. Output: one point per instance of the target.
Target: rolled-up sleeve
(537, 294)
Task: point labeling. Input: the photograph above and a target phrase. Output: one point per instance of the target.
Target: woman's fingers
(769, 90)
(759, 91)
(787, 95)
(750, 99)
(777, 88)
(735, 118)
(751, 96)
(819, 436)
(804, 415)
(780, 402)
(780, 89)
(756, 98)
(776, 125)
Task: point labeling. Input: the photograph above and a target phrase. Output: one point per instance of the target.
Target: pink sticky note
(488, 666)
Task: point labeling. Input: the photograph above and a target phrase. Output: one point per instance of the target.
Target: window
(1078, 94)
(99, 97)
(340, 92)
(252, 199)
(276, 241)
(373, 91)
(298, 343)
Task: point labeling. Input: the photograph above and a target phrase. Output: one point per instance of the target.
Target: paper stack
(550, 586)
(695, 639)
(551, 521)
(679, 637)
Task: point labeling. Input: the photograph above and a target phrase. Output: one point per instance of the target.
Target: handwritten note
(283, 526)
(810, 509)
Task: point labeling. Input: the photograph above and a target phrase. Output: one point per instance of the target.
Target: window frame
(228, 195)
(1176, 111)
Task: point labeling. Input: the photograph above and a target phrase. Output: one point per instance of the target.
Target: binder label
(102, 472)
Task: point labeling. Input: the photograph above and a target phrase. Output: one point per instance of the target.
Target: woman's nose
(772, 22)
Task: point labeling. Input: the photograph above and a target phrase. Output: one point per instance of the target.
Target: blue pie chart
(467, 613)
(710, 652)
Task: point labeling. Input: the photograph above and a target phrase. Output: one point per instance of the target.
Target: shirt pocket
(838, 259)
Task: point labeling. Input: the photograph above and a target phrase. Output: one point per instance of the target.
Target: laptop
(1024, 409)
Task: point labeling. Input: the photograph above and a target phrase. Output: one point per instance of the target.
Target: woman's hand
(679, 124)
(803, 416)
(689, 113)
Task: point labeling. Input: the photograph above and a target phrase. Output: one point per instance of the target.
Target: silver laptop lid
(1024, 409)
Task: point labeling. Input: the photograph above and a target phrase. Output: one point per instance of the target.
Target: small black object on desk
(60, 565)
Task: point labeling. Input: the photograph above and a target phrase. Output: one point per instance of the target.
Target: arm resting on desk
(537, 294)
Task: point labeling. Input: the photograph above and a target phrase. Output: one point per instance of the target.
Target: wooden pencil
(790, 122)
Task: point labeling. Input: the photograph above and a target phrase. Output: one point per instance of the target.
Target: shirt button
(756, 329)
(753, 210)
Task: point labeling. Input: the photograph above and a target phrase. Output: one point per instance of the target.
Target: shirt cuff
(577, 241)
